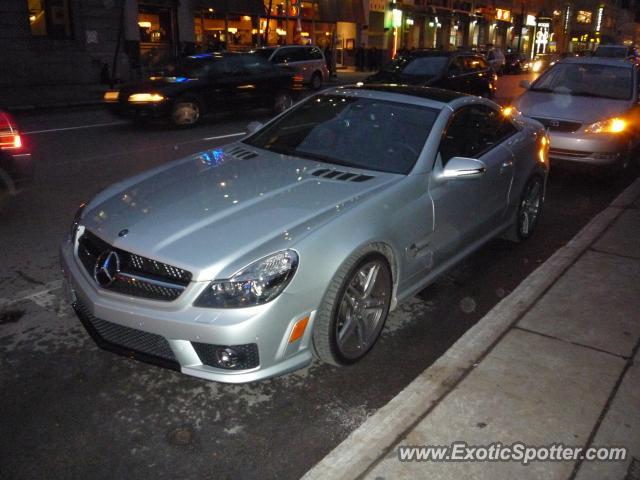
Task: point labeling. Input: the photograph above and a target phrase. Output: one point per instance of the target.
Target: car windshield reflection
(357, 132)
(590, 80)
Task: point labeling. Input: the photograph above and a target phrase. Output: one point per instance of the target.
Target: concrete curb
(361, 450)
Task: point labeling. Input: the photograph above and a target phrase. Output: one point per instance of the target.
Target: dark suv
(459, 71)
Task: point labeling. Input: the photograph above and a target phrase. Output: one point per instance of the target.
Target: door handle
(505, 165)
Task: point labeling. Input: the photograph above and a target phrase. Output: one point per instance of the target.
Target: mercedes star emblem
(107, 268)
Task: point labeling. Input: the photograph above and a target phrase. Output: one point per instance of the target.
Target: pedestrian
(328, 58)
(360, 53)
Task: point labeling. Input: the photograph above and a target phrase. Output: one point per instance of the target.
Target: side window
(253, 64)
(473, 131)
(282, 55)
(474, 64)
(315, 53)
(231, 66)
(456, 67)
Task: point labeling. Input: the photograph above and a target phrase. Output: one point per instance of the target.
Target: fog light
(227, 357)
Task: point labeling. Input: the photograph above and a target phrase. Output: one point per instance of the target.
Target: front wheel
(354, 310)
(316, 81)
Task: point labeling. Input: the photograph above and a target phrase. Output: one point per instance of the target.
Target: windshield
(589, 80)
(351, 131)
(423, 66)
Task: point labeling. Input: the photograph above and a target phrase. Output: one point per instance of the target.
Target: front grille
(144, 346)
(138, 276)
(247, 355)
(559, 125)
(561, 152)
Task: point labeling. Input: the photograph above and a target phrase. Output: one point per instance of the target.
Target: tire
(316, 81)
(186, 111)
(352, 315)
(529, 209)
(282, 101)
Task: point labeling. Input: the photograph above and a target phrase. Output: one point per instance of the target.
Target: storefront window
(156, 25)
(583, 16)
(51, 18)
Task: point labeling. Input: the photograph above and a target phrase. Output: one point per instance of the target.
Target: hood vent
(341, 176)
(242, 154)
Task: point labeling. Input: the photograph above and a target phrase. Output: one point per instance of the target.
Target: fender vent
(341, 176)
(242, 154)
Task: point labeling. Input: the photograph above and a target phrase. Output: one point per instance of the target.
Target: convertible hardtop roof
(428, 93)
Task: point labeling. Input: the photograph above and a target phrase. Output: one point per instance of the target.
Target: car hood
(215, 210)
(585, 110)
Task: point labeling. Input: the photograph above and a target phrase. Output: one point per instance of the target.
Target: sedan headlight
(76, 222)
(256, 284)
(145, 98)
(537, 66)
(611, 125)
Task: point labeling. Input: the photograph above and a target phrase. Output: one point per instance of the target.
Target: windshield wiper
(312, 156)
(534, 89)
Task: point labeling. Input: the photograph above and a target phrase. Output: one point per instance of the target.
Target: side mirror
(253, 127)
(462, 167)
(526, 84)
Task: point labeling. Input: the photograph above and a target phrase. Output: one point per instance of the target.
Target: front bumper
(177, 335)
(588, 149)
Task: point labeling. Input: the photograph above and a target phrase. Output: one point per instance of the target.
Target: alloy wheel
(362, 309)
(186, 113)
(530, 207)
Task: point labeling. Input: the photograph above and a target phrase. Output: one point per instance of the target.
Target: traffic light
(294, 8)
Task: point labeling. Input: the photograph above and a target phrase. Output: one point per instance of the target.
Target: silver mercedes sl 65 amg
(246, 261)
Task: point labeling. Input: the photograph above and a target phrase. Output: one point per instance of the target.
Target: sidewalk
(64, 96)
(554, 362)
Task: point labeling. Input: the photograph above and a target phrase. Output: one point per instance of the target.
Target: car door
(261, 80)
(469, 210)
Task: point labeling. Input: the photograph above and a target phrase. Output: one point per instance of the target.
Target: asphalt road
(70, 410)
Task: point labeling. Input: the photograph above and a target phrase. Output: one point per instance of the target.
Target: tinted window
(315, 53)
(253, 64)
(192, 67)
(588, 80)
(474, 64)
(456, 67)
(425, 66)
(264, 52)
(473, 131)
(358, 132)
(289, 54)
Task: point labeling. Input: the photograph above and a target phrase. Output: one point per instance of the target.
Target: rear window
(418, 66)
(611, 52)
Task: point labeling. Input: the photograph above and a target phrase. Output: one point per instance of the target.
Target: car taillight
(10, 139)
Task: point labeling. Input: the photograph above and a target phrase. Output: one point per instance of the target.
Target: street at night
(72, 410)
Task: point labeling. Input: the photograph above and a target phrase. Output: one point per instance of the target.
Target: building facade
(48, 42)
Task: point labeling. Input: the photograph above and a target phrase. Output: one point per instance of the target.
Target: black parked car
(459, 71)
(207, 82)
(16, 166)
(516, 63)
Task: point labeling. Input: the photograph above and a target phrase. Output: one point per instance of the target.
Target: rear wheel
(354, 310)
(316, 81)
(186, 111)
(530, 208)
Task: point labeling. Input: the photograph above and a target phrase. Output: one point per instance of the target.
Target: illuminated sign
(294, 8)
(504, 15)
(378, 5)
(583, 16)
(397, 18)
(599, 21)
(531, 20)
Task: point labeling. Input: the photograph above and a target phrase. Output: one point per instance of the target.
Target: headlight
(76, 222)
(537, 66)
(611, 125)
(145, 98)
(258, 283)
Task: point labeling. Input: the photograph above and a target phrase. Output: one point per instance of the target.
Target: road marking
(32, 293)
(219, 137)
(97, 125)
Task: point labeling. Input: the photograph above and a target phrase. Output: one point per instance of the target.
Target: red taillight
(10, 140)
(9, 135)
